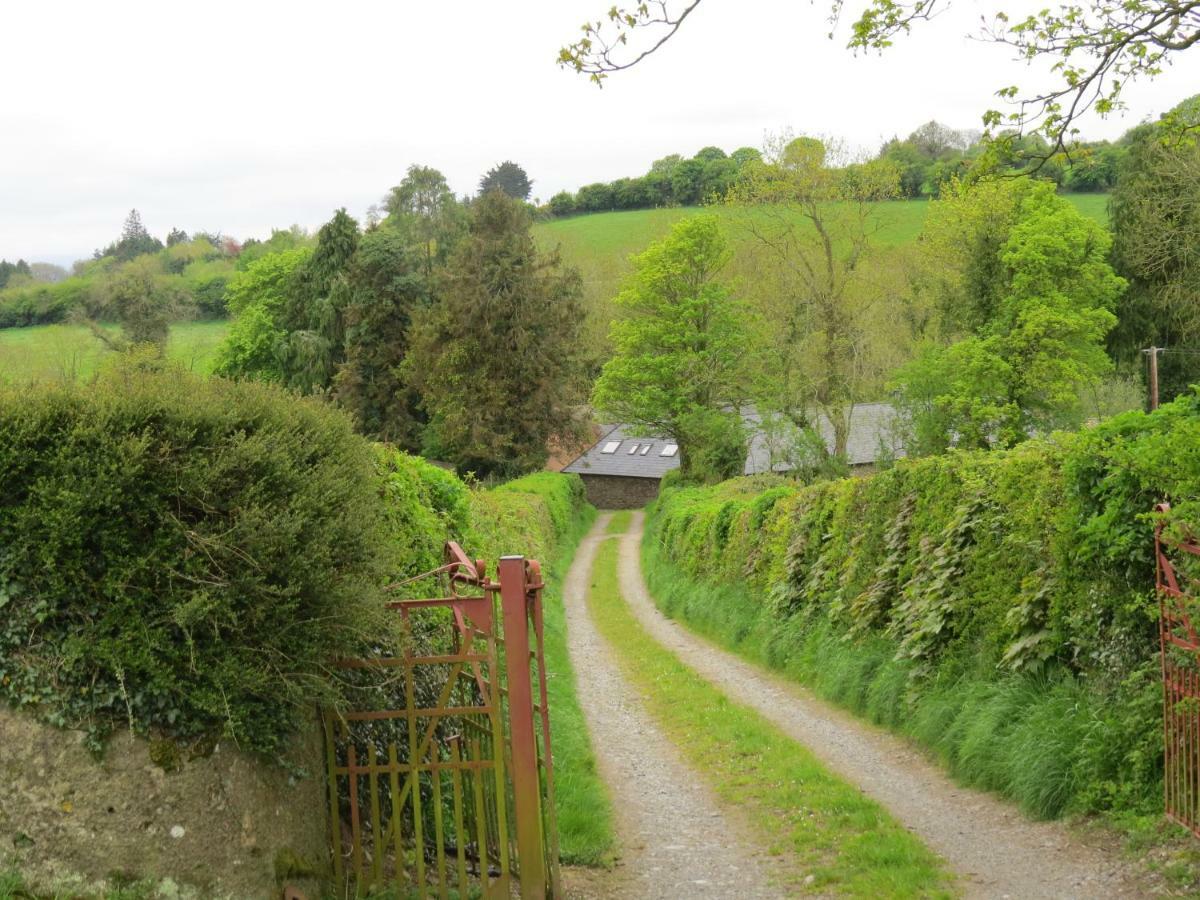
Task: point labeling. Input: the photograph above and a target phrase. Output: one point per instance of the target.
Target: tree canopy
(1096, 49)
(681, 346)
(509, 178)
(1030, 296)
(496, 356)
(1155, 213)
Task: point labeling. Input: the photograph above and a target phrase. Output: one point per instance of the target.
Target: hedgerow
(999, 607)
(184, 557)
(181, 557)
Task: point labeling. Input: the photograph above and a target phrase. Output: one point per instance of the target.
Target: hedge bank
(183, 557)
(997, 607)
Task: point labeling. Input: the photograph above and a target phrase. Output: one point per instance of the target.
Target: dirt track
(675, 839)
(994, 849)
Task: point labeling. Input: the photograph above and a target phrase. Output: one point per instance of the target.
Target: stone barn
(624, 472)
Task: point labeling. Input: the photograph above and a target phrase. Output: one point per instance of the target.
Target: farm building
(621, 471)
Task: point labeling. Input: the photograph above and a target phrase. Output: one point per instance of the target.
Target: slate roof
(870, 424)
(651, 464)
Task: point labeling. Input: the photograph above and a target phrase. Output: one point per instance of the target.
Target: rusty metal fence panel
(1178, 567)
(440, 776)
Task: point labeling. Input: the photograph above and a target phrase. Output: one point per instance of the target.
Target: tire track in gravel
(675, 839)
(995, 850)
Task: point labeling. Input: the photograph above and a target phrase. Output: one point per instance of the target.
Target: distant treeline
(927, 159)
(185, 277)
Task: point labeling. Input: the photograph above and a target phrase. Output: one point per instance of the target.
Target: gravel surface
(993, 848)
(675, 839)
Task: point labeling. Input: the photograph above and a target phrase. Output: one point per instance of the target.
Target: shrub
(185, 557)
(181, 557)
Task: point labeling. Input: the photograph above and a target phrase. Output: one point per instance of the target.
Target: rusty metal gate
(1178, 568)
(440, 775)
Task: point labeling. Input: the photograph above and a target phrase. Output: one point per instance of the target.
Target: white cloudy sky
(242, 116)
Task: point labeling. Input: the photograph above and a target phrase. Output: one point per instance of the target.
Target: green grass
(619, 523)
(13, 887)
(67, 352)
(1031, 739)
(599, 244)
(822, 826)
(585, 821)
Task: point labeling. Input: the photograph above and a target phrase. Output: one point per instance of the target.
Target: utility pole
(1153, 353)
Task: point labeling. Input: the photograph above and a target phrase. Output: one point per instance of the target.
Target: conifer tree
(509, 178)
(496, 358)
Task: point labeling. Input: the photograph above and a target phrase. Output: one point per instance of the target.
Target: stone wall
(619, 491)
(223, 826)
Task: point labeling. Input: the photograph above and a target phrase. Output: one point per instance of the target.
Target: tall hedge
(185, 557)
(179, 556)
(963, 589)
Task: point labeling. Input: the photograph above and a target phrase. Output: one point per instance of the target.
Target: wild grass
(824, 827)
(585, 821)
(13, 887)
(68, 352)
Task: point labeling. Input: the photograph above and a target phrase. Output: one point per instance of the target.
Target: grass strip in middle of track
(827, 829)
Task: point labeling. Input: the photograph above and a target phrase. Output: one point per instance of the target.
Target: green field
(599, 245)
(65, 352)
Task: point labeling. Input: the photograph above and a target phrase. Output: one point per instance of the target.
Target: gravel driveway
(676, 842)
(993, 848)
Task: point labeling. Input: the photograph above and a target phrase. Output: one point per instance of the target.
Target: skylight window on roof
(611, 447)
(634, 449)
(645, 449)
(670, 450)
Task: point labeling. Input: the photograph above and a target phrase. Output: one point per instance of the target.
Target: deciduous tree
(680, 367)
(1155, 214)
(1096, 49)
(1036, 310)
(813, 222)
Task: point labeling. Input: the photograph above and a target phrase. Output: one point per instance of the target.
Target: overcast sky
(240, 117)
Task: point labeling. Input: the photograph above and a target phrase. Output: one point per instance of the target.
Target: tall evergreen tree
(387, 284)
(135, 239)
(313, 316)
(496, 359)
(509, 178)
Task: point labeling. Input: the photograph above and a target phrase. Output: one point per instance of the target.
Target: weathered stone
(213, 828)
(619, 491)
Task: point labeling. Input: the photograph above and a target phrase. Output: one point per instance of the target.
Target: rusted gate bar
(473, 766)
(526, 783)
(1180, 650)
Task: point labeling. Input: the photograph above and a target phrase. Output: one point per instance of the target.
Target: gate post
(527, 795)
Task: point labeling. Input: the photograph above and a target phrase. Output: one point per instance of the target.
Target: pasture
(600, 244)
(67, 352)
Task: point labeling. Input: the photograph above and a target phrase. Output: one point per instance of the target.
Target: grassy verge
(585, 822)
(1017, 736)
(848, 843)
(619, 523)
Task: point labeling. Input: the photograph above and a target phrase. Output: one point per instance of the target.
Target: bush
(966, 599)
(182, 557)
